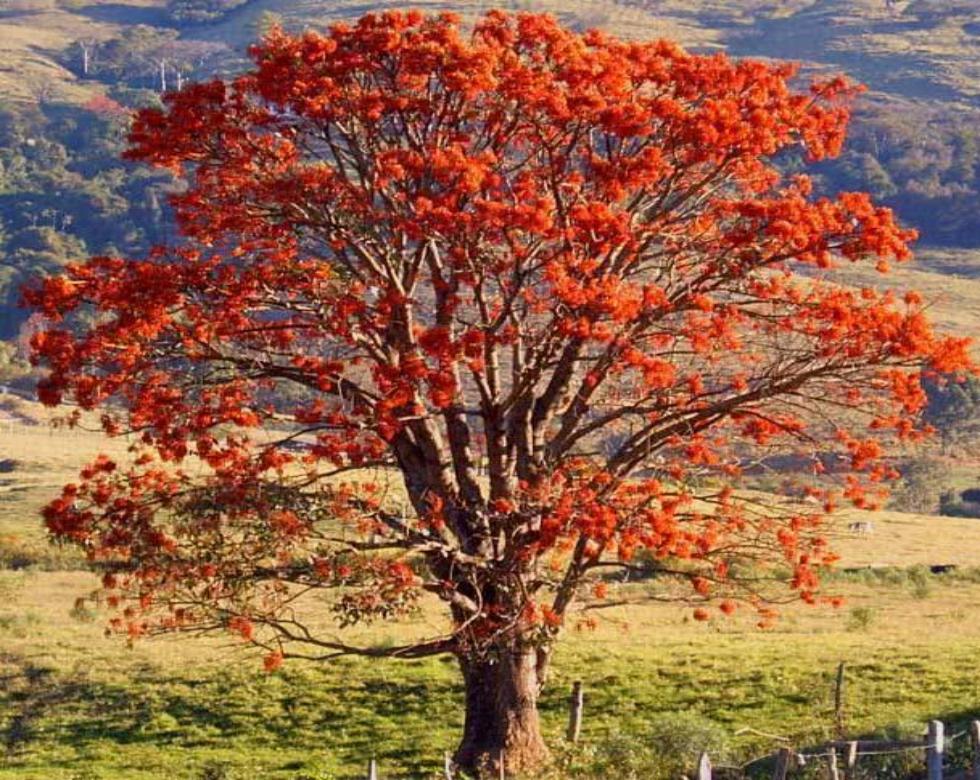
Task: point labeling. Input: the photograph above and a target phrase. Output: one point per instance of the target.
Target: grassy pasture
(76, 704)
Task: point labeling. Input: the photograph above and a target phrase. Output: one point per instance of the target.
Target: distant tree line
(64, 191)
(953, 409)
(144, 57)
(924, 162)
(65, 194)
(201, 11)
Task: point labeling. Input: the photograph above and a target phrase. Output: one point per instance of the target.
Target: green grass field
(76, 704)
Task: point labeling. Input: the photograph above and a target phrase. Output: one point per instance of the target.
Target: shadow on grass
(303, 719)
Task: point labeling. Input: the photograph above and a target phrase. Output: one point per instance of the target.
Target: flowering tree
(543, 283)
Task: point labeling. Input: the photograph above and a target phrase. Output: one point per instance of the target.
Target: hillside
(69, 69)
(926, 49)
(662, 683)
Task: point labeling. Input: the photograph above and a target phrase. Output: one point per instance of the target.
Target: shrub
(215, 771)
(972, 495)
(919, 580)
(951, 505)
(861, 619)
(667, 747)
(923, 481)
(18, 555)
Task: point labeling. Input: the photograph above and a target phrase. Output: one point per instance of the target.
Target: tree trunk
(501, 714)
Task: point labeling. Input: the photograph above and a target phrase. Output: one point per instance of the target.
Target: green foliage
(667, 748)
(952, 505)
(13, 364)
(201, 11)
(643, 715)
(17, 555)
(65, 194)
(860, 618)
(919, 580)
(862, 170)
(147, 57)
(953, 407)
(922, 482)
(922, 161)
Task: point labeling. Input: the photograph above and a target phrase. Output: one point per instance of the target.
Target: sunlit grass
(77, 704)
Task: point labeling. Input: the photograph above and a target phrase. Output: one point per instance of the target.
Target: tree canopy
(413, 255)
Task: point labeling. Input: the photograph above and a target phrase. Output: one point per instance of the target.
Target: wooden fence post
(447, 766)
(934, 751)
(704, 767)
(832, 764)
(782, 764)
(975, 742)
(839, 701)
(852, 759)
(373, 770)
(575, 713)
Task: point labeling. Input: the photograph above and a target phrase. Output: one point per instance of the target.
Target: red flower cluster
(566, 260)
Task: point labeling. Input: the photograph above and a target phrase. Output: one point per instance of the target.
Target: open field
(76, 704)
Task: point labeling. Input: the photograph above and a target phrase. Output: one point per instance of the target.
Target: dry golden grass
(888, 47)
(953, 299)
(34, 32)
(901, 539)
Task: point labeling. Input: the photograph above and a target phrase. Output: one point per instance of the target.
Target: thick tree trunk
(501, 714)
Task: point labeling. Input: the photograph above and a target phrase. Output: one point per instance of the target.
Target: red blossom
(553, 285)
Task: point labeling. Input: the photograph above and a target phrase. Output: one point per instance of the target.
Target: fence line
(835, 753)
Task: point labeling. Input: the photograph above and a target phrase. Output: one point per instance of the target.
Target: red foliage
(567, 257)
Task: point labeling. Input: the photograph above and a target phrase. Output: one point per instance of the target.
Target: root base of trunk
(502, 723)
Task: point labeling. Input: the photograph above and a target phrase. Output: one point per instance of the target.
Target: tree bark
(501, 713)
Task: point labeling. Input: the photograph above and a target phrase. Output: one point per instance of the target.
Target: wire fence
(838, 758)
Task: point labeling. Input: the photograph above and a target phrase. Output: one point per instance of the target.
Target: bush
(922, 483)
(971, 495)
(919, 580)
(200, 11)
(668, 747)
(679, 739)
(861, 619)
(894, 766)
(18, 555)
(952, 505)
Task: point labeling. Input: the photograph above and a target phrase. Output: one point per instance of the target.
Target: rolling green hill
(78, 705)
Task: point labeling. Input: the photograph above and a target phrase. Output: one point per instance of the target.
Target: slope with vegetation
(65, 65)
